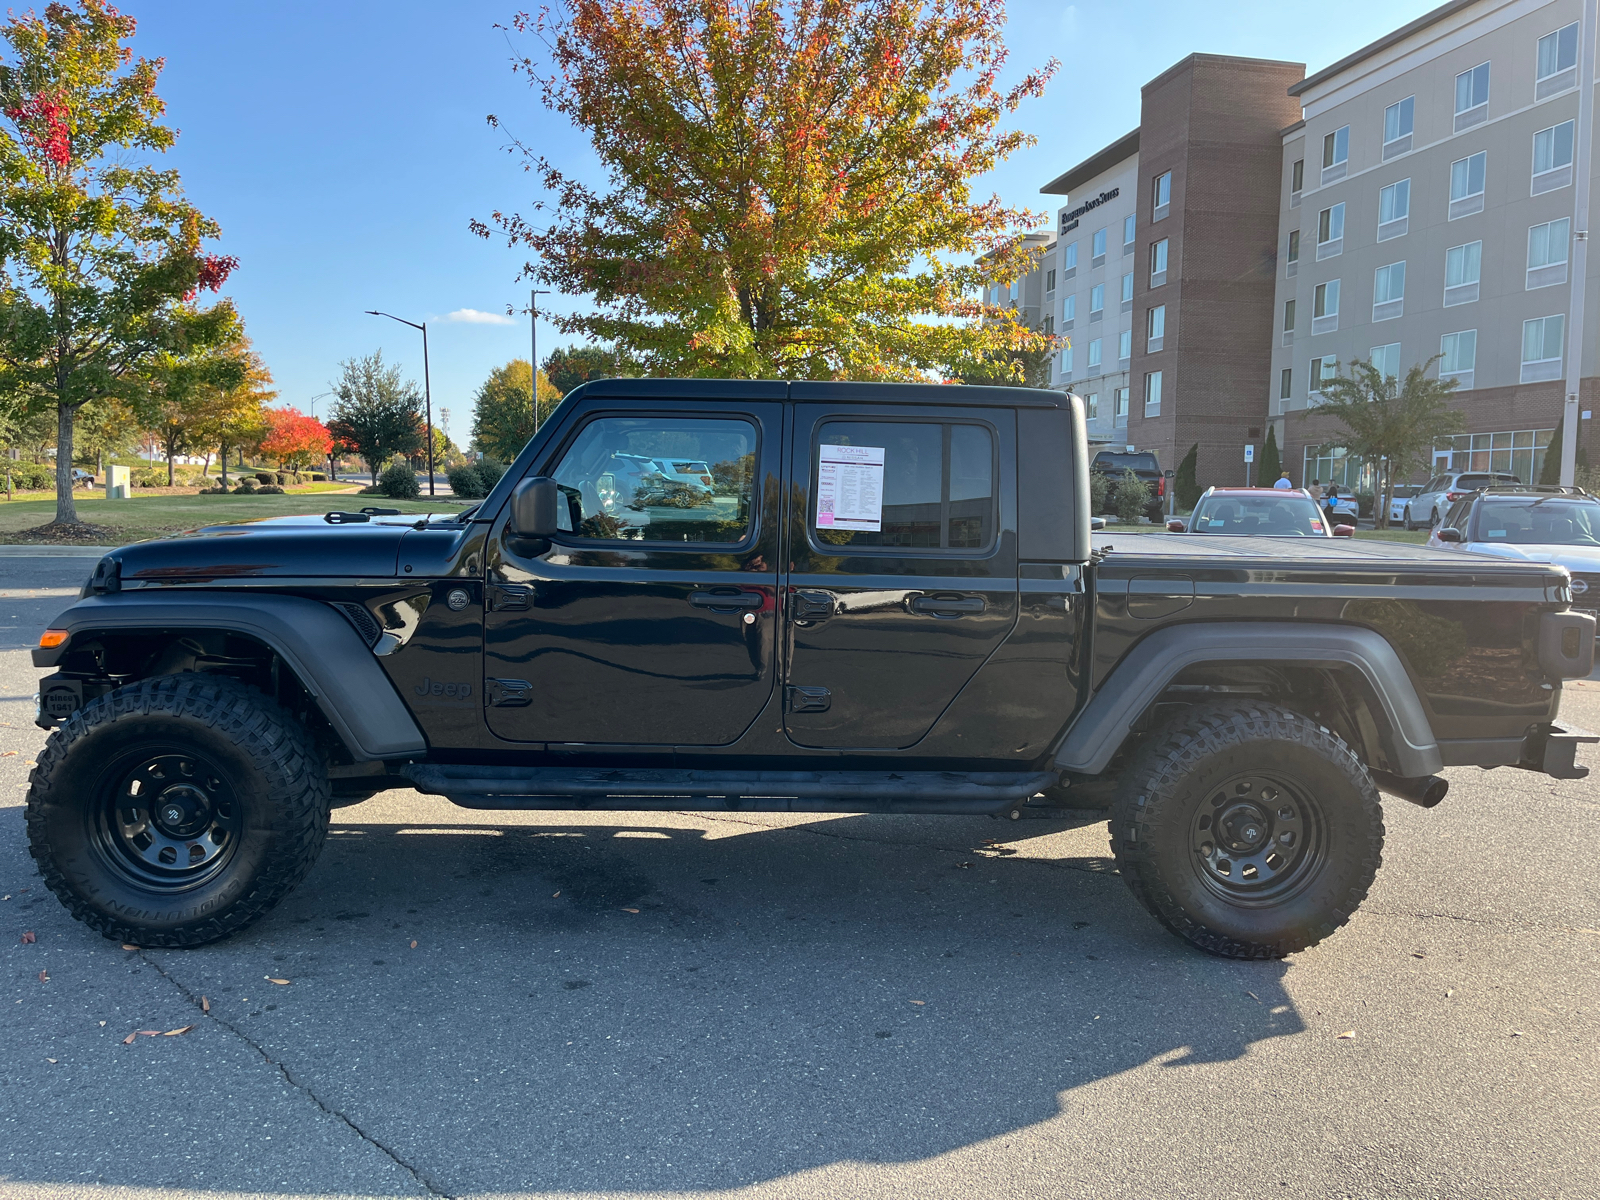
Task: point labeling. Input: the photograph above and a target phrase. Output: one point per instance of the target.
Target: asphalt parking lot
(673, 1005)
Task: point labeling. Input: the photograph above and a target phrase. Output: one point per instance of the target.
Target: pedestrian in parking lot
(1284, 483)
(1315, 491)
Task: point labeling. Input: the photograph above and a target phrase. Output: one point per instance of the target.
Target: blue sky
(343, 148)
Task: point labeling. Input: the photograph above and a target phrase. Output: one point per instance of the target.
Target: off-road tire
(1172, 783)
(278, 797)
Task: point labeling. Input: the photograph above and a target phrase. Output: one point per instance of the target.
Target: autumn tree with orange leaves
(100, 254)
(790, 184)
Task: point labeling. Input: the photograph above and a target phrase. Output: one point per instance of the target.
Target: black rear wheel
(176, 811)
(1248, 829)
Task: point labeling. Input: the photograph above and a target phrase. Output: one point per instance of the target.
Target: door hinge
(509, 597)
(508, 693)
(809, 699)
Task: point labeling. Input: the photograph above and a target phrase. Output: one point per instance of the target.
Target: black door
(651, 618)
(909, 582)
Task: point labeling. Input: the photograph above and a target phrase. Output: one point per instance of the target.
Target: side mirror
(1449, 535)
(1344, 531)
(1096, 524)
(533, 508)
(1175, 526)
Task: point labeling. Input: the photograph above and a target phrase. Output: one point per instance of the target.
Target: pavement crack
(420, 1176)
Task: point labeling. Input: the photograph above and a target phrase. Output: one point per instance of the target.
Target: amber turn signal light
(51, 638)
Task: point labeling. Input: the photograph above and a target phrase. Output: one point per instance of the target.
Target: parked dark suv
(1144, 464)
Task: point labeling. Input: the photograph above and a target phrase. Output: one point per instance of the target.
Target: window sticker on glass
(850, 487)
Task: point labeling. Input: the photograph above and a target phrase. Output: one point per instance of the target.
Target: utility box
(117, 485)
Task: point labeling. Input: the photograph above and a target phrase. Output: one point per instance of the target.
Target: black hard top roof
(809, 391)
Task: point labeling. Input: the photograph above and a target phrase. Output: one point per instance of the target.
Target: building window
(1292, 259)
(1330, 232)
(1098, 249)
(1097, 301)
(1091, 406)
(1288, 322)
(1049, 282)
(1069, 310)
(1386, 360)
(1463, 266)
(1127, 292)
(1285, 385)
(1325, 307)
(1297, 182)
(1519, 452)
(1125, 345)
(1389, 292)
(1547, 253)
(1120, 398)
(1048, 328)
(1335, 154)
(1069, 261)
(1015, 291)
(1160, 195)
(1557, 62)
(1466, 184)
(1394, 210)
(1322, 370)
(1458, 356)
(1127, 234)
(1094, 354)
(1152, 394)
(1397, 127)
(1542, 345)
(1066, 360)
(1472, 97)
(1158, 263)
(1155, 328)
(1552, 158)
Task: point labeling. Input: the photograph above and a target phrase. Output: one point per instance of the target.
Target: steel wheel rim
(166, 819)
(1256, 838)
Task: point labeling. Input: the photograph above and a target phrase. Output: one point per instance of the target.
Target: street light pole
(533, 349)
(427, 388)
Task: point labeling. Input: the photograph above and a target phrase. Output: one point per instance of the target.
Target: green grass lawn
(145, 517)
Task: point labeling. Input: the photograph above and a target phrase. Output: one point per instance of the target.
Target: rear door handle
(728, 601)
(947, 606)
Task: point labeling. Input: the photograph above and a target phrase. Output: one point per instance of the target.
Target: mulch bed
(69, 535)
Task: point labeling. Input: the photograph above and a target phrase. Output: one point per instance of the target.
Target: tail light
(1454, 495)
(1161, 486)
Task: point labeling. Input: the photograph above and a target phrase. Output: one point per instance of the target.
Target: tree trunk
(66, 505)
(168, 449)
(206, 470)
(222, 460)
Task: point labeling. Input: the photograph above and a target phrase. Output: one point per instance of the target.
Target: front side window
(1325, 299)
(1458, 354)
(1336, 147)
(1472, 88)
(1160, 195)
(1397, 120)
(1099, 243)
(1127, 230)
(1152, 394)
(658, 479)
(904, 484)
(1557, 52)
(1097, 298)
(1386, 360)
(1158, 263)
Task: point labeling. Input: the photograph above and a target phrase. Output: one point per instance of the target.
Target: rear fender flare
(1134, 684)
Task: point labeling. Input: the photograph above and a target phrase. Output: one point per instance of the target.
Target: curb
(45, 550)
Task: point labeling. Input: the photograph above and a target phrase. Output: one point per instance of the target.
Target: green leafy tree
(501, 420)
(375, 414)
(182, 389)
(1550, 470)
(234, 418)
(566, 367)
(98, 249)
(1271, 464)
(1133, 496)
(1390, 422)
(790, 184)
(1185, 482)
(1008, 368)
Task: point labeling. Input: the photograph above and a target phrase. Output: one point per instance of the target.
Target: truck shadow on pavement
(597, 1003)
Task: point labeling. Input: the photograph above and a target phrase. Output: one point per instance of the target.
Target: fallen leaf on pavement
(149, 1033)
(963, 864)
(128, 1041)
(279, 982)
(44, 977)
(919, 1002)
(102, 1024)
(1348, 1033)
(30, 763)
(1253, 996)
(8, 753)
(1448, 992)
(205, 1005)
(176, 1032)
(27, 938)
(1418, 954)
(1516, 1033)
(51, 1060)
(413, 943)
(126, 946)
(553, 895)
(632, 910)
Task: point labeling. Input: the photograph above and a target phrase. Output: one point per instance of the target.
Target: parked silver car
(1440, 492)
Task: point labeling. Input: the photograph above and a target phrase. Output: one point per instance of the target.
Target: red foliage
(215, 269)
(295, 439)
(43, 122)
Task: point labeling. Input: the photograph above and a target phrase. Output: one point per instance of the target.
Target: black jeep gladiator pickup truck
(815, 597)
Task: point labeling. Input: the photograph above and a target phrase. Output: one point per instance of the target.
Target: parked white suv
(1440, 492)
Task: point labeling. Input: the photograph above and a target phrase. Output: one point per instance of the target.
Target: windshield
(1544, 522)
(1118, 463)
(1270, 516)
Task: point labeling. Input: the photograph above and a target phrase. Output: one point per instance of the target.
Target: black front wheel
(176, 811)
(1248, 829)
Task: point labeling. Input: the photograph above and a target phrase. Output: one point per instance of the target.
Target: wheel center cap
(1243, 829)
(183, 810)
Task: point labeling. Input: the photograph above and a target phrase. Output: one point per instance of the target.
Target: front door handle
(947, 606)
(726, 601)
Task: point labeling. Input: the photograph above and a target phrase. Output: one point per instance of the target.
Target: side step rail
(748, 791)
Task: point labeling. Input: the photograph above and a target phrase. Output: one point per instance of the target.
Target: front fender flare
(1133, 685)
(316, 642)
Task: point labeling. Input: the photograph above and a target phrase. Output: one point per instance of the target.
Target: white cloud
(473, 316)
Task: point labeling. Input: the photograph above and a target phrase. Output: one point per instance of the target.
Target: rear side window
(904, 484)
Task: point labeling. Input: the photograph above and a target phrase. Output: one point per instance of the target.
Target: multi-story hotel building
(1426, 208)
